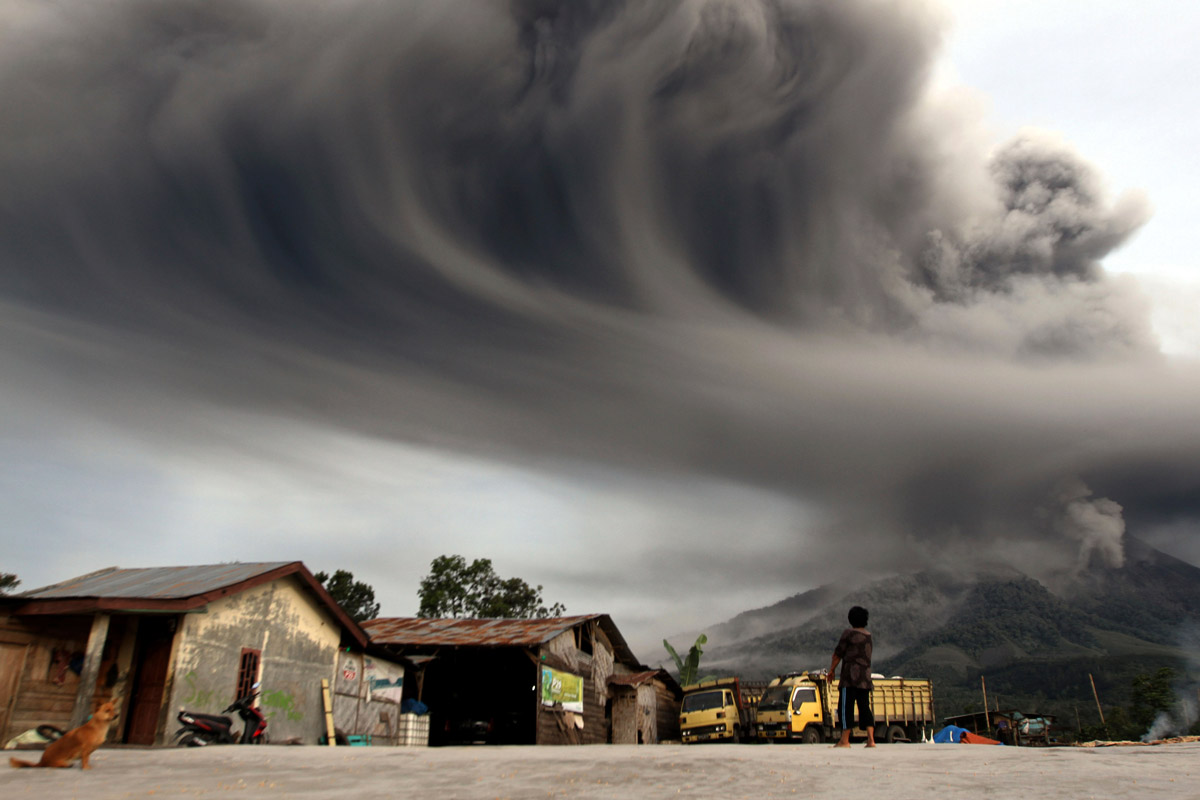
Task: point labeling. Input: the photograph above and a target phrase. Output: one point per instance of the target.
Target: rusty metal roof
(641, 678)
(633, 678)
(418, 631)
(153, 582)
(167, 589)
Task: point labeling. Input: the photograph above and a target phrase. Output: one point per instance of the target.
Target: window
(583, 639)
(247, 672)
(774, 699)
(702, 701)
(804, 696)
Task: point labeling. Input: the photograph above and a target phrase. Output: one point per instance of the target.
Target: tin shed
(512, 681)
(645, 707)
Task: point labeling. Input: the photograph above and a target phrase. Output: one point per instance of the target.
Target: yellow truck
(716, 710)
(803, 706)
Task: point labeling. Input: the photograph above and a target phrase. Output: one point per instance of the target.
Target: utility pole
(987, 721)
(1096, 695)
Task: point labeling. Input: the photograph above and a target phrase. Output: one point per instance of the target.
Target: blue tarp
(951, 734)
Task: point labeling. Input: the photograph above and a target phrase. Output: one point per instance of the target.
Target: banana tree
(688, 668)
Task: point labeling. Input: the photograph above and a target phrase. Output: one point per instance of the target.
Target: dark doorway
(151, 657)
(482, 696)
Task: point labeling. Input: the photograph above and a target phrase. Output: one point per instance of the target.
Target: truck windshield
(775, 698)
(702, 701)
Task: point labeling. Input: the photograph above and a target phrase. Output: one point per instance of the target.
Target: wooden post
(330, 734)
(91, 670)
(1097, 696)
(987, 719)
(6, 720)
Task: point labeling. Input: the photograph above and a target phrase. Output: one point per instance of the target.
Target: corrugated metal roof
(634, 679)
(418, 631)
(153, 582)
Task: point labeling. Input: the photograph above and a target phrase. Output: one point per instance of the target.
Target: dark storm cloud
(718, 237)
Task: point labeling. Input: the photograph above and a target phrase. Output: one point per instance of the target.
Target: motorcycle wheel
(191, 740)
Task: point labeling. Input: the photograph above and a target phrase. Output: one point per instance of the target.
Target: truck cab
(791, 709)
(713, 711)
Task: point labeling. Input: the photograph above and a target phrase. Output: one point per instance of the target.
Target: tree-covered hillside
(1034, 645)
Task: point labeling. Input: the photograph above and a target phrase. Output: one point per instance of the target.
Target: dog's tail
(16, 762)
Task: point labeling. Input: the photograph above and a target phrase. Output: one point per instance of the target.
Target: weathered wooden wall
(37, 684)
(556, 726)
(666, 713)
(647, 701)
(625, 714)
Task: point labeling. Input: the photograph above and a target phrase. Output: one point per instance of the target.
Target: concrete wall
(299, 644)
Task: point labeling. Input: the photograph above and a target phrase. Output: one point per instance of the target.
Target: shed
(512, 681)
(645, 707)
(156, 639)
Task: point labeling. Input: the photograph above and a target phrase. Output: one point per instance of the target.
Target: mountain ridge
(1037, 642)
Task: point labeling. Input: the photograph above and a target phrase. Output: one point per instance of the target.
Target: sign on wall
(562, 688)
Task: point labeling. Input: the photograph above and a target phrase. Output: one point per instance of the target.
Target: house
(529, 681)
(157, 639)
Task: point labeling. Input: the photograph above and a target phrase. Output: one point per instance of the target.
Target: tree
(355, 597)
(1151, 695)
(688, 668)
(453, 588)
(8, 581)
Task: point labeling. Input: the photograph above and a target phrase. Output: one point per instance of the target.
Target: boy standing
(854, 652)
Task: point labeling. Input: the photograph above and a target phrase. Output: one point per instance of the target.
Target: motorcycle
(200, 730)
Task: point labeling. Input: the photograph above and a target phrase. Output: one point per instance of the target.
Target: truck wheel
(895, 734)
(812, 735)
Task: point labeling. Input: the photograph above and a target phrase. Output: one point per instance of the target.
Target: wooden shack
(645, 707)
(514, 681)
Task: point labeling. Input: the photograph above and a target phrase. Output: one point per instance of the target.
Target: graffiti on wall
(281, 702)
(196, 696)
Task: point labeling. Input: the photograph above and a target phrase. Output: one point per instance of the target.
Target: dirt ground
(726, 771)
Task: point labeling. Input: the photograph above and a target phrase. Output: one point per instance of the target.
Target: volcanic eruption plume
(738, 240)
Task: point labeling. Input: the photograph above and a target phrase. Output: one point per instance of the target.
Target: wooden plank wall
(667, 713)
(46, 687)
(562, 653)
(624, 714)
(595, 726)
(556, 726)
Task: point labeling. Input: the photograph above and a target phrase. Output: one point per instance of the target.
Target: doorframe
(139, 652)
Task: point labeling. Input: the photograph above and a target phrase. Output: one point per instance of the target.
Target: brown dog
(78, 743)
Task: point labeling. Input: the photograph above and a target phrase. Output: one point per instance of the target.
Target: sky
(674, 309)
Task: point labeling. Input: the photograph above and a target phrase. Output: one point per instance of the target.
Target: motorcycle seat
(213, 718)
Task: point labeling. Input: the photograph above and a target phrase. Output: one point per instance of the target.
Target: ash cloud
(736, 240)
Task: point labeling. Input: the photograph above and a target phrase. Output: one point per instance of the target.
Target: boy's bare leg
(871, 736)
(845, 740)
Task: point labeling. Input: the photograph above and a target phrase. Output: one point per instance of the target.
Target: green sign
(562, 688)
